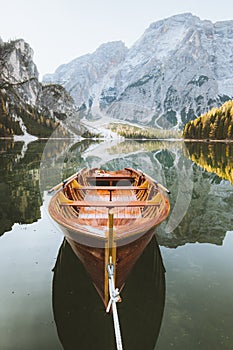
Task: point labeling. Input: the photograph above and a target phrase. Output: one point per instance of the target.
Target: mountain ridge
(179, 68)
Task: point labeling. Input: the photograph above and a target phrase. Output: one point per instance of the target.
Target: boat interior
(88, 198)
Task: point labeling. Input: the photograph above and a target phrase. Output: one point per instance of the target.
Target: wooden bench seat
(106, 204)
(111, 188)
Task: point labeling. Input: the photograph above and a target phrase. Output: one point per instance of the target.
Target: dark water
(46, 299)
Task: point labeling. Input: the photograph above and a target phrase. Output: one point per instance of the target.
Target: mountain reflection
(209, 215)
(79, 313)
(19, 196)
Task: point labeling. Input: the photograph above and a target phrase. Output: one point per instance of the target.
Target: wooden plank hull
(94, 261)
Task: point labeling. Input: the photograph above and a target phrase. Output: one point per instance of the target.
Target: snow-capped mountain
(180, 67)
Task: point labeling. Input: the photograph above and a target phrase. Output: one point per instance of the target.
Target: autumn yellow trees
(216, 124)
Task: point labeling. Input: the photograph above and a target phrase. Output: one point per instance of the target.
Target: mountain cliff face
(88, 73)
(27, 106)
(179, 68)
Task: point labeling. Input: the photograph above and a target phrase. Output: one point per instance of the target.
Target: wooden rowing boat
(109, 216)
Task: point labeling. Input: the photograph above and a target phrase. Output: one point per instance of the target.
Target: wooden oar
(153, 180)
(55, 188)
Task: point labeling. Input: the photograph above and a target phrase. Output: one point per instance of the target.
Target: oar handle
(157, 183)
(162, 187)
(55, 188)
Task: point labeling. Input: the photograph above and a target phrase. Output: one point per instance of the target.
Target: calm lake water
(179, 294)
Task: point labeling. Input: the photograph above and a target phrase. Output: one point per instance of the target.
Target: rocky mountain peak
(17, 68)
(176, 20)
(111, 49)
(28, 107)
(81, 75)
(178, 69)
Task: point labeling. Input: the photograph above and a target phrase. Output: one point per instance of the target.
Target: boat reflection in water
(80, 318)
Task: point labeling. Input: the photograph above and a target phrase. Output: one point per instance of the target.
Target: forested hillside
(217, 124)
(15, 115)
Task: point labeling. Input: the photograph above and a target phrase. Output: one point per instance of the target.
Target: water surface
(47, 300)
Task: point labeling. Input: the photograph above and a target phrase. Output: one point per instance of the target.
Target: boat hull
(95, 261)
(76, 306)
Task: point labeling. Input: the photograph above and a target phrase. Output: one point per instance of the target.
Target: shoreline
(22, 139)
(208, 140)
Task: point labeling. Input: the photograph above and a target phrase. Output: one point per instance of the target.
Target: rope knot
(116, 295)
(114, 298)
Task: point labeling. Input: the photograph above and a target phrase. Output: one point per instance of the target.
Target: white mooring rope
(114, 298)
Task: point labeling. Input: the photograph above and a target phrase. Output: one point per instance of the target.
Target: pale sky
(61, 30)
